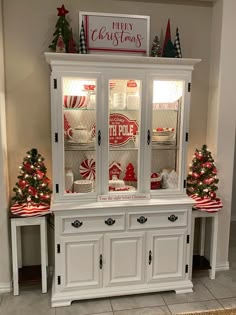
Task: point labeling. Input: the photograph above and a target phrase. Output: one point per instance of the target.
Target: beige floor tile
(87, 307)
(228, 303)
(161, 310)
(224, 286)
(136, 301)
(200, 293)
(27, 303)
(195, 307)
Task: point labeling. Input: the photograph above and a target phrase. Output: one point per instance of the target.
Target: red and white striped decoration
(87, 169)
(207, 204)
(25, 210)
(71, 101)
(67, 127)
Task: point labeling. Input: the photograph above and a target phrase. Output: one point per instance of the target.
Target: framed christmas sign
(116, 33)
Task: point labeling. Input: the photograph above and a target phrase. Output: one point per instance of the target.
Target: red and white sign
(116, 33)
(121, 129)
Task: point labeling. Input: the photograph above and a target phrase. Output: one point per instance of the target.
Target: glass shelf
(81, 108)
(123, 110)
(160, 146)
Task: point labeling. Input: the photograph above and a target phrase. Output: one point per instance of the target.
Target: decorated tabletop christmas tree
(32, 192)
(202, 180)
(63, 30)
(156, 47)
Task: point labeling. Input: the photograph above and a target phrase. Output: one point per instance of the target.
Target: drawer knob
(110, 221)
(172, 218)
(142, 219)
(77, 223)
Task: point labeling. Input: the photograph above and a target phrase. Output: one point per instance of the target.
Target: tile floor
(207, 295)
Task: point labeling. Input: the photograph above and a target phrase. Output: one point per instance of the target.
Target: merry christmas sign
(121, 129)
(116, 33)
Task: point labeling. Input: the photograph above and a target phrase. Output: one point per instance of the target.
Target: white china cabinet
(119, 139)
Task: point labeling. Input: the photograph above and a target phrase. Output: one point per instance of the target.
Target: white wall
(4, 224)
(28, 29)
(222, 114)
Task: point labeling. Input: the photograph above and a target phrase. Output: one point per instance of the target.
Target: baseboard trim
(5, 287)
(222, 266)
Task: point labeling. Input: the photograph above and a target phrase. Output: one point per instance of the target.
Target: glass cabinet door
(79, 104)
(166, 129)
(124, 121)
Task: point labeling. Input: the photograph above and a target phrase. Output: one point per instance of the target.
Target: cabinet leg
(202, 236)
(191, 247)
(214, 232)
(14, 258)
(43, 238)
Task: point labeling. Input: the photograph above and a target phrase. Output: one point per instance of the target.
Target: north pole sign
(121, 129)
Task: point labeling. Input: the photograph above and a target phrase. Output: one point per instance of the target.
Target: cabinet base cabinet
(65, 298)
(127, 256)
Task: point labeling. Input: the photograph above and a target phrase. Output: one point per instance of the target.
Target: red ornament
(27, 166)
(46, 180)
(213, 195)
(207, 165)
(40, 174)
(198, 156)
(62, 11)
(207, 181)
(214, 171)
(22, 183)
(32, 191)
(196, 175)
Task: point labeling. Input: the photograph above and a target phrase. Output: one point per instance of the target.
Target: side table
(203, 215)
(16, 224)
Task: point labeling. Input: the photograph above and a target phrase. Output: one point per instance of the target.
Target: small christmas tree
(130, 174)
(71, 44)
(62, 28)
(156, 47)
(32, 189)
(168, 47)
(201, 180)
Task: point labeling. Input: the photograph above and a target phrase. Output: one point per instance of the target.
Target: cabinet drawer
(95, 223)
(148, 220)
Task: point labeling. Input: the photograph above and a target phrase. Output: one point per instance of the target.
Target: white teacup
(79, 134)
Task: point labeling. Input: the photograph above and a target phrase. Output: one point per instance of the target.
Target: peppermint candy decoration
(87, 169)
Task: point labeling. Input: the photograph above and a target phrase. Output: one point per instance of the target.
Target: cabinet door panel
(167, 252)
(81, 256)
(167, 125)
(124, 258)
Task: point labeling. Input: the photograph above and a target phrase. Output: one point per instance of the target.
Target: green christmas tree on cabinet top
(62, 28)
